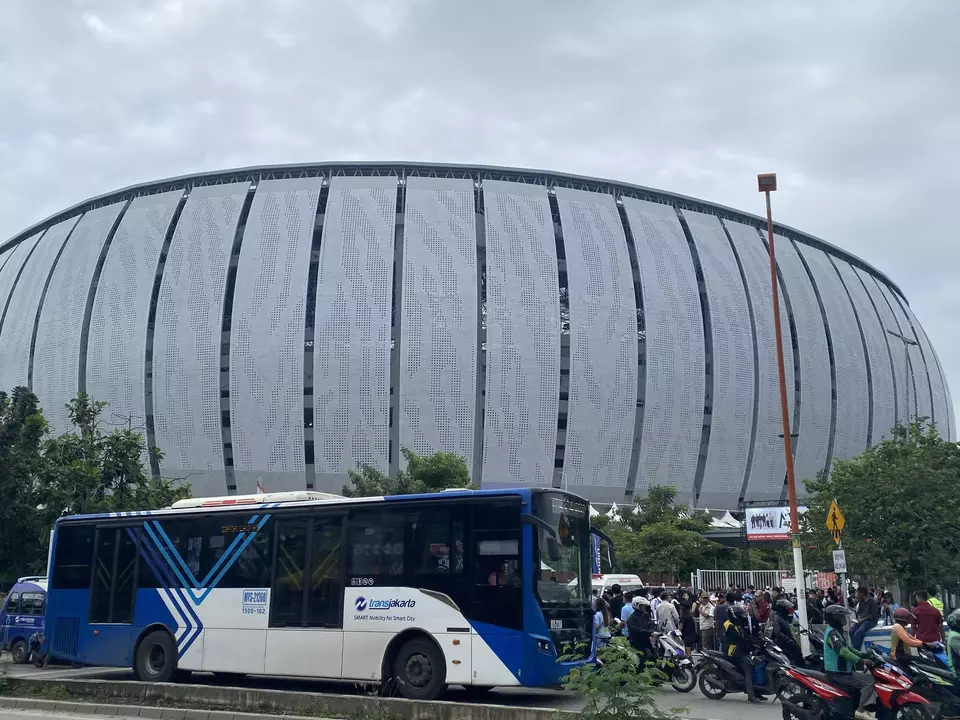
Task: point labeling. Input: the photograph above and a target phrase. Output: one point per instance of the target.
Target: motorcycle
(820, 698)
(720, 676)
(931, 679)
(673, 662)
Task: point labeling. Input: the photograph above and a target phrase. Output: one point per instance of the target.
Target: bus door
(108, 638)
(305, 635)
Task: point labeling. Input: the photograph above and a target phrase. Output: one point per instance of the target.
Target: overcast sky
(855, 104)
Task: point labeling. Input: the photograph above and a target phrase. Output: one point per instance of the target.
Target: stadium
(283, 324)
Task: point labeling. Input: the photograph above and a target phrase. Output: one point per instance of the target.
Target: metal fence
(712, 579)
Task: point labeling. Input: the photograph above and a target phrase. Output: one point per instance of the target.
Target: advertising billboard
(769, 523)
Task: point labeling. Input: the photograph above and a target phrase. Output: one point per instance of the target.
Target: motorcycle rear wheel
(712, 684)
(801, 706)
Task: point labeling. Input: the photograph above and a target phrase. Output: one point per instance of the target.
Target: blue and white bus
(476, 588)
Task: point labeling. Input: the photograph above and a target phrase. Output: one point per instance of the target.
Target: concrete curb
(151, 713)
(224, 703)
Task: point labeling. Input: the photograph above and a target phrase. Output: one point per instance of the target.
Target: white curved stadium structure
(285, 323)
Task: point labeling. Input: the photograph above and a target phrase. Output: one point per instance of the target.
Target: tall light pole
(907, 342)
(767, 183)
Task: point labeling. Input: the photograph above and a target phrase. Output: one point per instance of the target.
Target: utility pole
(907, 342)
(767, 183)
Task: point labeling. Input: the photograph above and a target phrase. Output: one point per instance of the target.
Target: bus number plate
(556, 624)
(361, 582)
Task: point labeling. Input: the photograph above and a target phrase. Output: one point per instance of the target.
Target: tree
(22, 429)
(424, 473)
(901, 506)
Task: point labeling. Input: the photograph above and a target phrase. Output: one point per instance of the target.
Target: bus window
(71, 561)
(13, 604)
(115, 566)
(286, 602)
(325, 592)
(438, 541)
(31, 604)
(376, 546)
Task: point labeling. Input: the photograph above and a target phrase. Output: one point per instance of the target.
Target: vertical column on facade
(20, 322)
(563, 407)
(190, 354)
(479, 406)
(266, 397)
(394, 447)
(151, 332)
(883, 390)
(641, 354)
(15, 260)
(309, 322)
(674, 350)
(919, 402)
(352, 348)
(523, 337)
(438, 356)
(603, 346)
(937, 409)
(120, 338)
(708, 364)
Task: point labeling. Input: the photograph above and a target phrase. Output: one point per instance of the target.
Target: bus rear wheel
(156, 658)
(420, 670)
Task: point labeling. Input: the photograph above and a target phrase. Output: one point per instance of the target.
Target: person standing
(668, 618)
(625, 612)
(705, 610)
(868, 615)
(928, 625)
(616, 600)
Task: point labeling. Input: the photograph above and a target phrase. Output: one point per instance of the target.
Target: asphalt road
(733, 707)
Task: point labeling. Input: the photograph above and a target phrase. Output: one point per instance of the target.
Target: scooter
(719, 676)
(819, 698)
(935, 682)
(673, 662)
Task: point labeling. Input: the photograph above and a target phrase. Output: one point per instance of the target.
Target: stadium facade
(283, 324)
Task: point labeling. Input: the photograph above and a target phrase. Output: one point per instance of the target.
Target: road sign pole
(766, 184)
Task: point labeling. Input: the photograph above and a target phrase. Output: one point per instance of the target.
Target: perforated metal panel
(21, 318)
(266, 338)
(941, 398)
(351, 385)
(603, 346)
(186, 345)
(919, 403)
(674, 395)
(732, 405)
(901, 370)
(815, 383)
(884, 393)
(116, 345)
(938, 409)
(438, 351)
(13, 261)
(853, 409)
(768, 469)
(523, 336)
(56, 359)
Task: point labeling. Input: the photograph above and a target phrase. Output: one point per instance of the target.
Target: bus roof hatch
(260, 499)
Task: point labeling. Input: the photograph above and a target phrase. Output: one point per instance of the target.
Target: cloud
(853, 104)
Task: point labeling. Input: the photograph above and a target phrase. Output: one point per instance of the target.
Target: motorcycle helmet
(784, 607)
(640, 602)
(903, 615)
(836, 616)
(953, 620)
(737, 614)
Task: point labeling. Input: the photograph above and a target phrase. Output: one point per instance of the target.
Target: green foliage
(617, 688)
(901, 506)
(661, 537)
(426, 473)
(88, 469)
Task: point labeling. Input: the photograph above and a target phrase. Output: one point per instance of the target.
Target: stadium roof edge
(403, 169)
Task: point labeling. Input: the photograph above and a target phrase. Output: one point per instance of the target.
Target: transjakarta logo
(362, 604)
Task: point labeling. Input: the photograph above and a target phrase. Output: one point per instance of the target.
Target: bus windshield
(563, 547)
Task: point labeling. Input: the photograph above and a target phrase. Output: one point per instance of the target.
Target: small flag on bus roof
(260, 489)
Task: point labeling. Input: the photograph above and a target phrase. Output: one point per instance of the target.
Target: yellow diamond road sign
(835, 521)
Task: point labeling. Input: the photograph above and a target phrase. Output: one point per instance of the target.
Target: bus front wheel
(156, 658)
(19, 652)
(419, 670)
